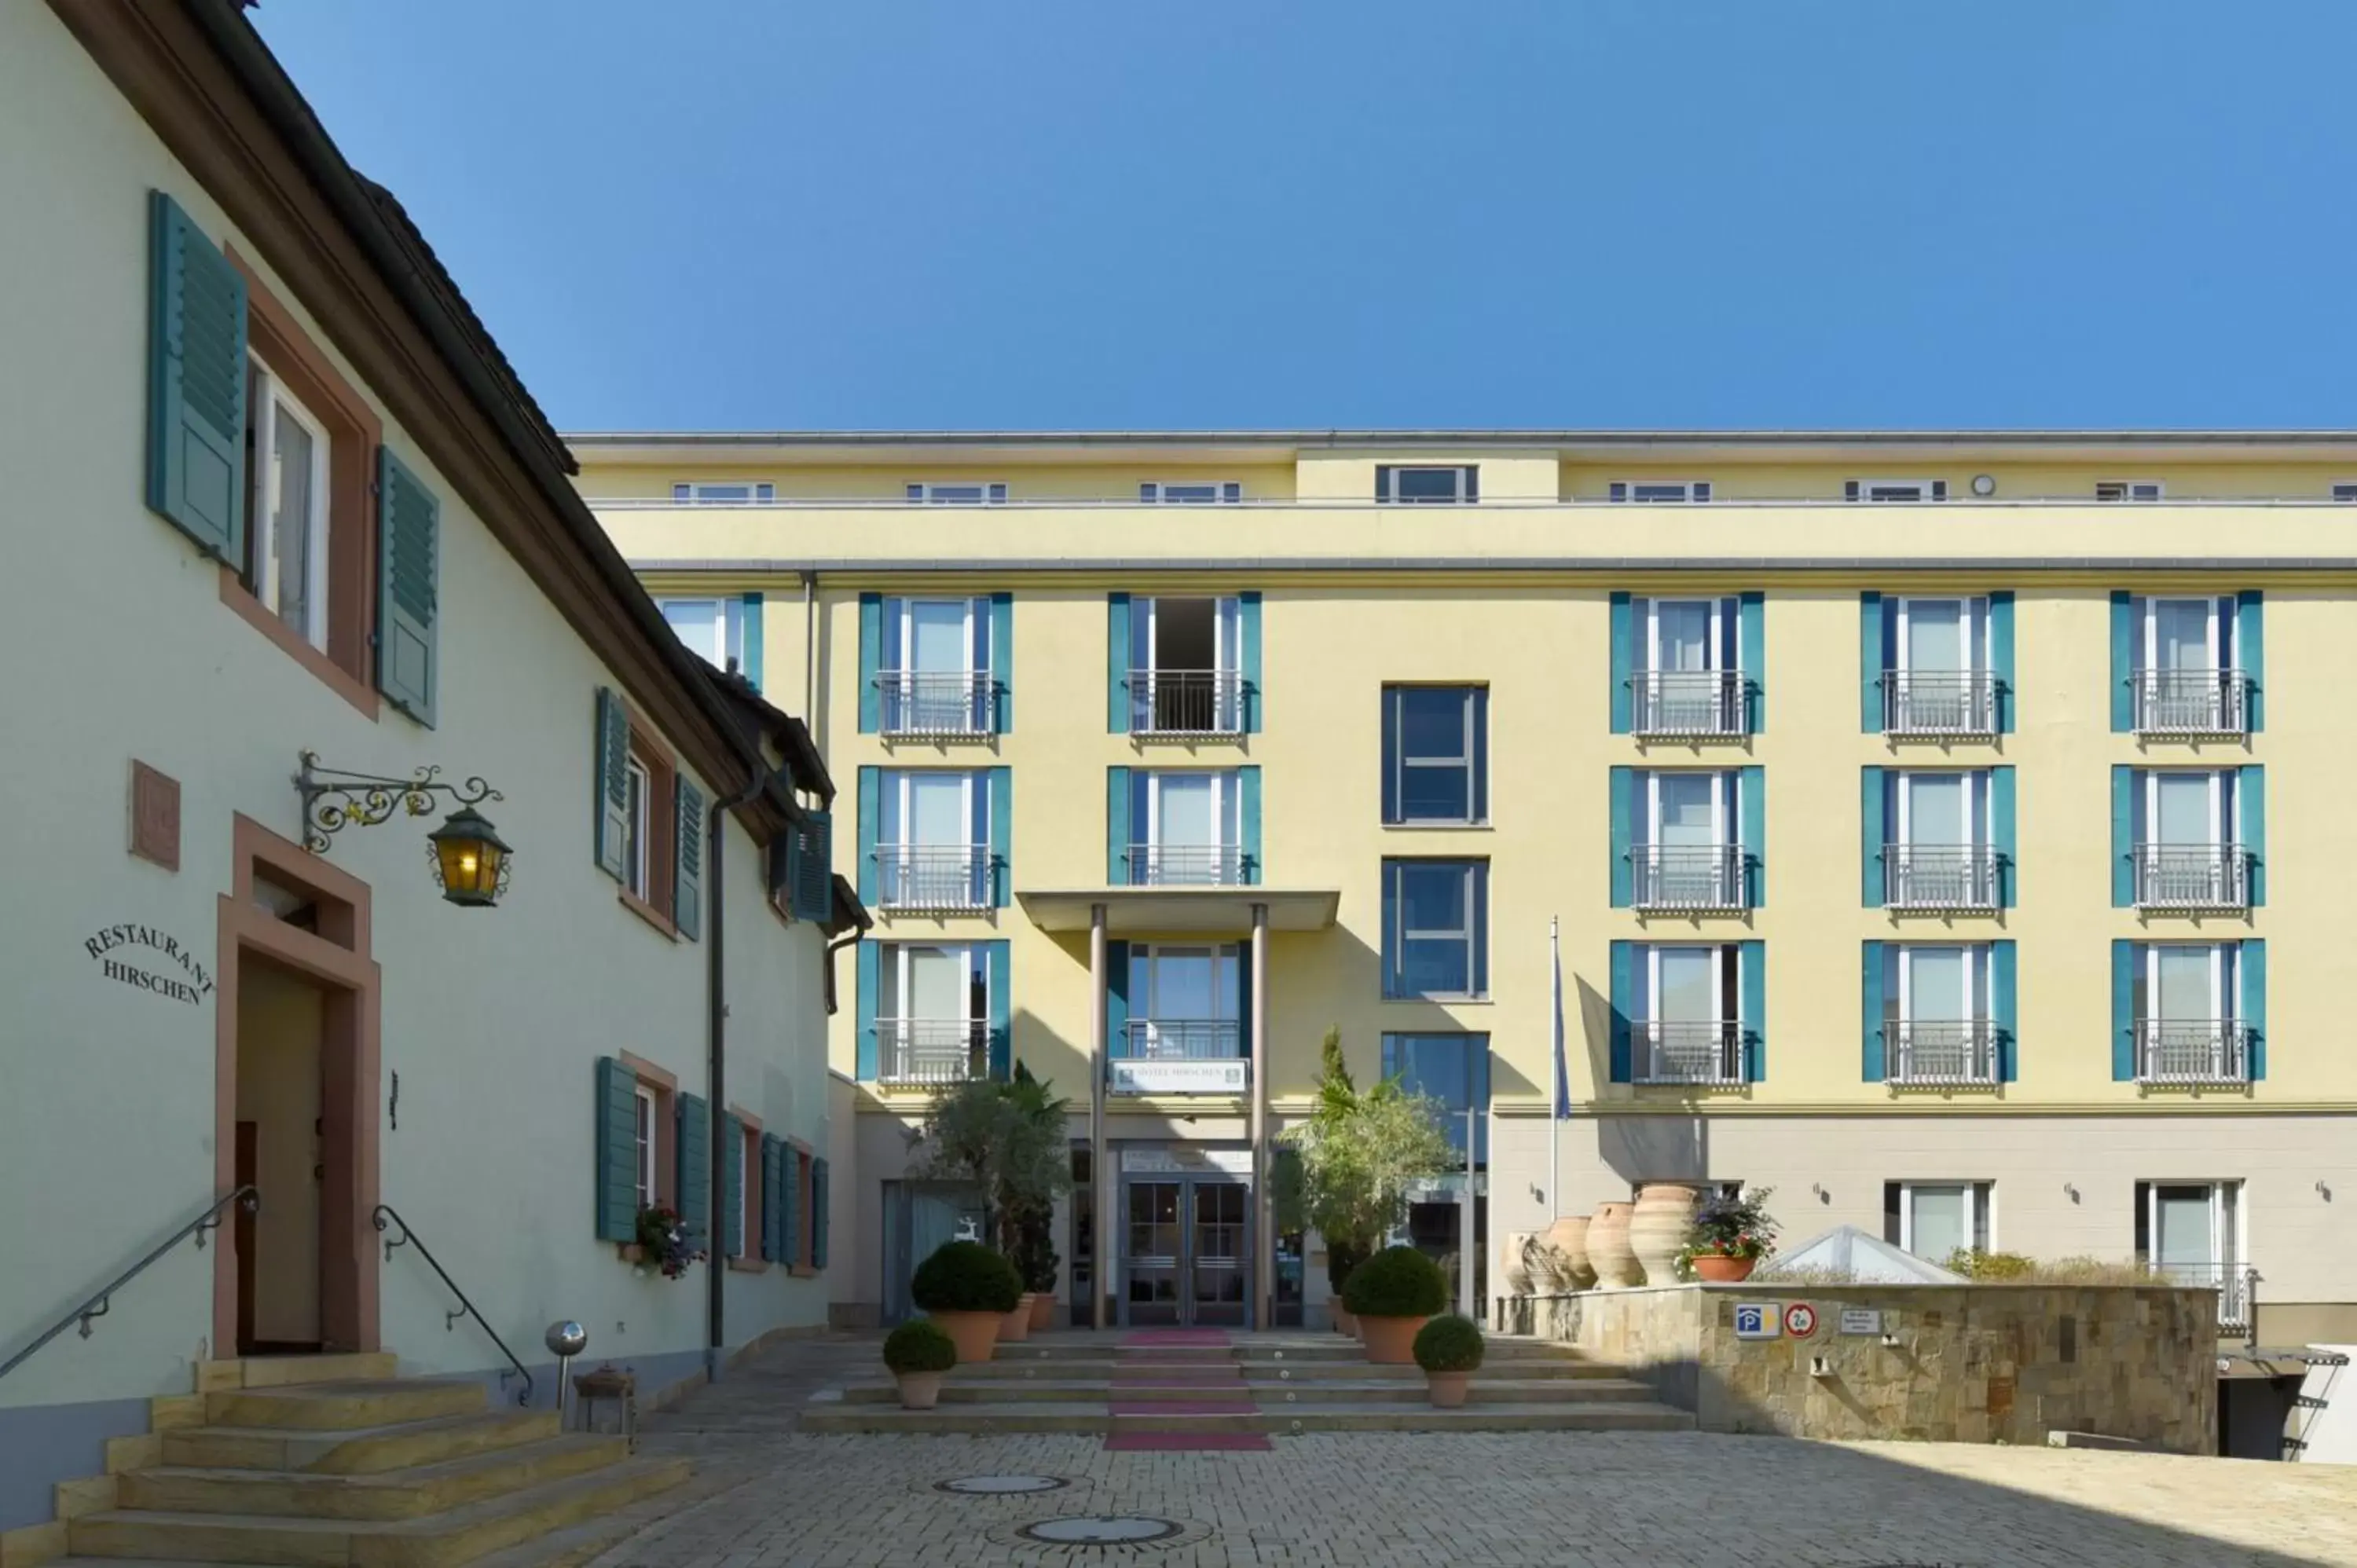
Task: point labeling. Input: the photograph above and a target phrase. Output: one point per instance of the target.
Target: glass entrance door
(1185, 1254)
(1153, 1250)
(1217, 1257)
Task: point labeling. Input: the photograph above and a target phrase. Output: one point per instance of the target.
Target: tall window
(286, 480)
(2185, 659)
(731, 493)
(639, 836)
(933, 670)
(2192, 1231)
(645, 1104)
(1936, 665)
(1436, 755)
(1940, 852)
(1186, 661)
(713, 628)
(1436, 928)
(932, 1013)
(1937, 1013)
(1186, 1001)
(1936, 1220)
(1430, 484)
(1192, 828)
(932, 846)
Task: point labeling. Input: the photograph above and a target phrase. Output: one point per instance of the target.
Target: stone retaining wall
(1982, 1363)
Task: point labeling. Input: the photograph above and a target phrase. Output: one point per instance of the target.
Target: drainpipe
(810, 659)
(715, 988)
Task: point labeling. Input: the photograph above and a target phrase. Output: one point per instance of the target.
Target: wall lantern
(469, 860)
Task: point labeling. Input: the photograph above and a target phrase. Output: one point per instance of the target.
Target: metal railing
(1938, 1051)
(1705, 876)
(937, 702)
(2192, 876)
(1690, 702)
(1668, 1051)
(385, 1213)
(2194, 1051)
(1187, 865)
(1717, 502)
(1941, 701)
(927, 1051)
(1184, 1040)
(2193, 702)
(927, 878)
(2230, 1281)
(97, 1305)
(1186, 702)
(1940, 877)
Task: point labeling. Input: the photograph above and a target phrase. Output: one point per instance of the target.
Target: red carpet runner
(1136, 1374)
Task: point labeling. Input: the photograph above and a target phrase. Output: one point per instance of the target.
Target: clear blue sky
(738, 214)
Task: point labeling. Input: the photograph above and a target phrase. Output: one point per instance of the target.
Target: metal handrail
(1939, 701)
(1690, 1051)
(1945, 1051)
(1718, 502)
(2192, 875)
(923, 876)
(1674, 703)
(2193, 702)
(937, 703)
(1942, 877)
(465, 1308)
(2196, 1051)
(931, 1051)
(1690, 876)
(1186, 702)
(1183, 1039)
(1187, 865)
(247, 1198)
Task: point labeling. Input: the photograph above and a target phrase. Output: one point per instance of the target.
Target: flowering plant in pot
(1449, 1349)
(1392, 1294)
(1729, 1236)
(917, 1353)
(968, 1290)
(665, 1244)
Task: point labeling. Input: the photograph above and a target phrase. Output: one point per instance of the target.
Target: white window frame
(1976, 631)
(2222, 806)
(1722, 801)
(1713, 643)
(269, 394)
(1976, 979)
(1227, 630)
(897, 954)
(950, 493)
(1387, 489)
(1927, 491)
(1227, 796)
(2225, 1197)
(1226, 976)
(2225, 977)
(1976, 793)
(1980, 1228)
(1223, 492)
(904, 791)
(2216, 637)
(2131, 491)
(906, 640)
(638, 851)
(1627, 491)
(1716, 955)
(692, 493)
(730, 613)
(1467, 762)
(645, 1113)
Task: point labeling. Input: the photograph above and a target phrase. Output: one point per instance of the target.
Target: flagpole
(1562, 1088)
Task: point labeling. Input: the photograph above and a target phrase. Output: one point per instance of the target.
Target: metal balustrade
(1690, 703)
(1672, 1051)
(1940, 877)
(2193, 702)
(924, 1052)
(1939, 702)
(1187, 865)
(1186, 702)
(1699, 878)
(1184, 1040)
(2230, 1281)
(1943, 1051)
(932, 877)
(937, 703)
(2192, 1051)
(2192, 876)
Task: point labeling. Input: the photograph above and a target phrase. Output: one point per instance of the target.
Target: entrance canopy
(1158, 911)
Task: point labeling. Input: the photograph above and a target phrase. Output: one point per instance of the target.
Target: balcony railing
(1689, 703)
(2192, 1051)
(2230, 1281)
(2192, 876)
(1672, 1051)
(1704, 877)
(923, 1052)
(937, 703)
(1183, 1039)
(1187, 865)
(1940, 1051)
(1940, 877)
(2193, 702)
(932, 877)
(1939, 701)
(1186, 702)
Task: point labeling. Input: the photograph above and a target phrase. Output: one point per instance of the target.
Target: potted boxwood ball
(968, 1290)
(1392, 1294)
(1449, 1349)
(917, 1353)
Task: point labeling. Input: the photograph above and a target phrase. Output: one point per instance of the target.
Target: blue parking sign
(1758, 1320)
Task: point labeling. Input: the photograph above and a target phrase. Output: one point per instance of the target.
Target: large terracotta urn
(1015, 1328)
(1567, 1245)
(1043, 1310)
(1608, 1247)
(1514, 1266)
(1659, 1224)
(976, 1334)
(1390, 1341)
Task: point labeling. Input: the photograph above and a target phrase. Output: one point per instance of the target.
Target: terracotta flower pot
(1043, 1309)
(1448, 1388)
(1607, 1249)
(1566, 1255)
(1658, 1227)
(1343, 1322)
(919, 1390)
(974, 1333)
(1015, 1326)
(1716, 1268)
(1390, 1341)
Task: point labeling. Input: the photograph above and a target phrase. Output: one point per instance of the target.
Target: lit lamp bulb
(468, 858)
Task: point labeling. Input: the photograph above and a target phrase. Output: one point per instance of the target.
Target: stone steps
(399, 1494)
(1389, 1416)
(1320, 1390)
(343, 1406)
(363, 1451)
(1356, 1366)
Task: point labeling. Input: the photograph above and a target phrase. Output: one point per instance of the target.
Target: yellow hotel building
(1945, 830)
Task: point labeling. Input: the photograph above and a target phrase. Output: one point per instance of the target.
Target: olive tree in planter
(1449, 1349)
(917, 1354)
(1007, 1139)
(1393, 1294)
(968, 1290)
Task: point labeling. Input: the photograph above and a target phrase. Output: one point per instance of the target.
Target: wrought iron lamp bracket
(334, 799)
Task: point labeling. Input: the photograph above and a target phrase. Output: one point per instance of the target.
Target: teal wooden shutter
(1117, 997)
(789, 1205)
(1625, 782)
(2000, 641)
(1751, 805)
(196, 384)
(618, 1151)
(408, 574)
(1248, 784)
(871, 654)
(1244, 1000)
(1874, 837)
(1117, 664)
(870, 981)
(1002, 661)
(773, 1204)
(691, 1178)
(1751, 976)
(2124, 641)
(2124, 878)
(2005, 835)
(2005, 1006)
(1869, 663)
(818, 1219)
(687, 860)
(2251, 824)
(612, 772)
(2251, 653)
(1248, 637)
(811, 894)
(1000, 782)
(732, 1188)
(1117, 826)
(871, 816)
(1873, 1066)
(2254, 1003)
(1624, 663)
(1625, 958)
(1001, 1037)
(2125, 956)
(1751, 651)
(751, 667)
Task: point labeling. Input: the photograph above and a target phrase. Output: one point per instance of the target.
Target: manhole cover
(1001, 1485)
(1100, 1529)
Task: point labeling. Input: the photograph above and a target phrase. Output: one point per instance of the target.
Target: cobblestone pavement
(774, 1497)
